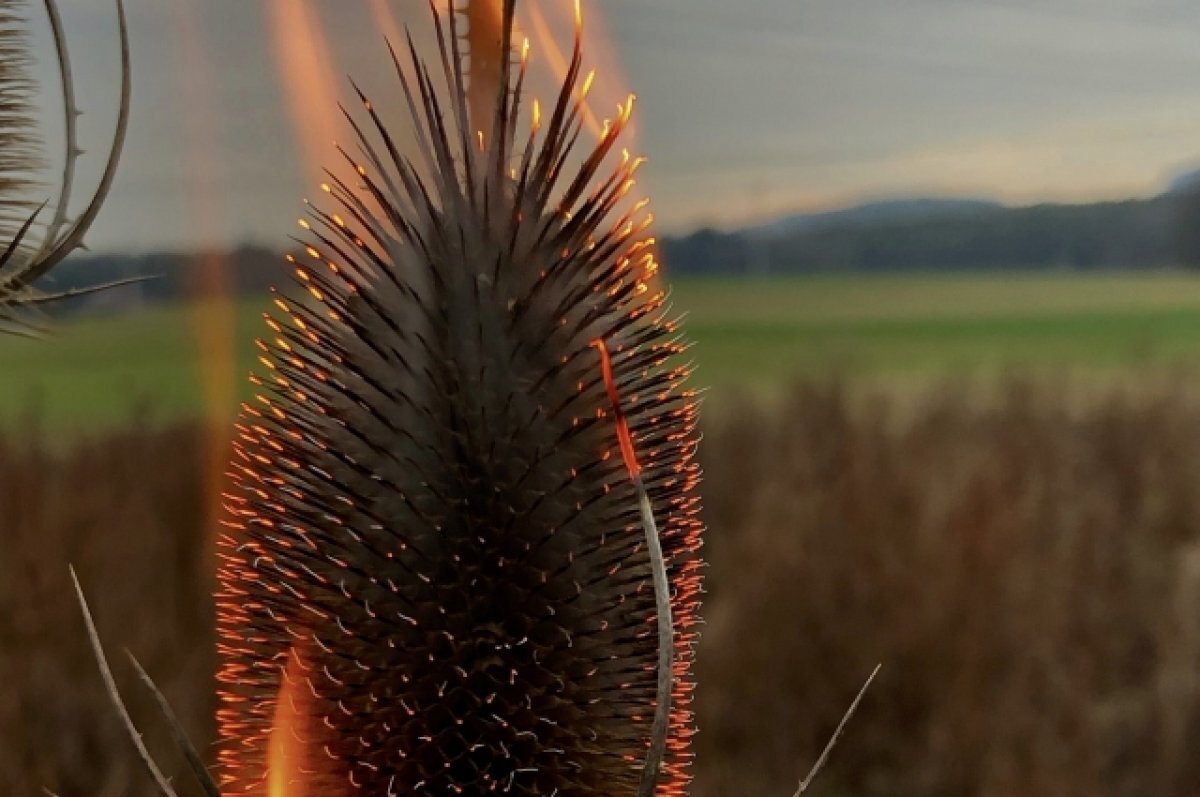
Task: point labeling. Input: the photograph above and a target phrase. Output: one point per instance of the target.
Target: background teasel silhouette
(26, 256)
(435, 578)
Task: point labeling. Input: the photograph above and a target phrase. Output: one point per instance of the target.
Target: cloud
(744, 107)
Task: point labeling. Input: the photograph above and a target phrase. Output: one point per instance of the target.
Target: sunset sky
(746, 110)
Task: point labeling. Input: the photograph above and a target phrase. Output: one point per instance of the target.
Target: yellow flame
(553, 23)
(547, 43)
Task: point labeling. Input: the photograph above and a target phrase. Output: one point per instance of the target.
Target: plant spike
(110, 685)
(185, 745)
(461, 550)
(837, 734)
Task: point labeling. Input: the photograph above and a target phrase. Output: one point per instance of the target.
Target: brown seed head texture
(433, 579)
(20, 150)
(21, 155)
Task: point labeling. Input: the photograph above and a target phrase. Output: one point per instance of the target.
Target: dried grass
(1028, 573)
(1029, 576)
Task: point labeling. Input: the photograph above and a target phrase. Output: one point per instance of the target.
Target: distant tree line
(1132, 234)
(906, 235)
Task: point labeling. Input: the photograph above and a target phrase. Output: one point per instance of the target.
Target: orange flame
(285, 746)
(628, 454)
(306, 71)
(386, 20)
(212, 308)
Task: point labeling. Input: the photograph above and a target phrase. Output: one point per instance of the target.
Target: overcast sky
(746, 109)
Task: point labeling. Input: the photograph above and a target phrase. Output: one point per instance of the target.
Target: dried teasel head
(27, 252)
(436, 577)
(443, 572)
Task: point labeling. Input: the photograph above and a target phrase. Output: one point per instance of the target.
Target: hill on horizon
(873, 210)
(924, 233)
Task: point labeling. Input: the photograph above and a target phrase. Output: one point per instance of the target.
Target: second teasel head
(434, 579)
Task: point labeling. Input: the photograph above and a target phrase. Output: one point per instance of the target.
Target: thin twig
(812, 773)
(72, 293)
(164, 786)
(195, 763)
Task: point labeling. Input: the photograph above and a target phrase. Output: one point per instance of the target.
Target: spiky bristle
(434, 579)
(20, 153)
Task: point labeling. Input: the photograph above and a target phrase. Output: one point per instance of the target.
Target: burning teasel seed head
(434, 578)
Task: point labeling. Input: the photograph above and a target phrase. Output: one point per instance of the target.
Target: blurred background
(941, 265)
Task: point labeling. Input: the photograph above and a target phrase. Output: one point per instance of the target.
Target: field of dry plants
(1028, 573)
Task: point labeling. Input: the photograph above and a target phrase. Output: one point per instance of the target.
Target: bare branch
(164, 786)
(812, 773)
(13, 245)
(73, 237)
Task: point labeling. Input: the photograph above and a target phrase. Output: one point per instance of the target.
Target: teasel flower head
(436, 578)
(31, 245)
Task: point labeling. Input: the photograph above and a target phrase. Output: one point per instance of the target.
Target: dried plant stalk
(24, 261)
